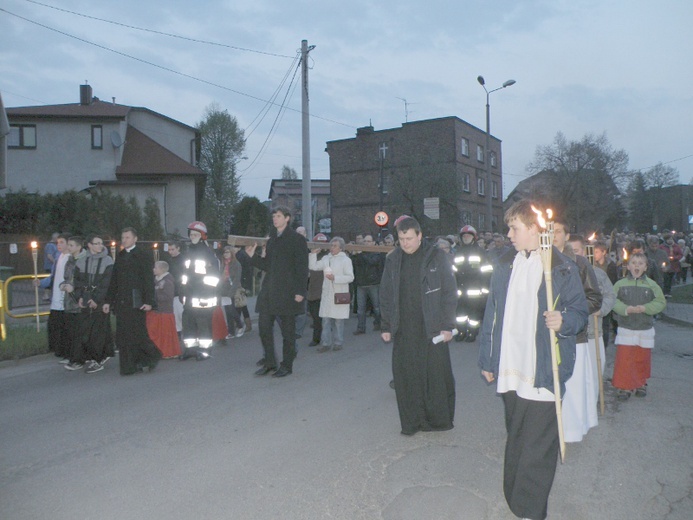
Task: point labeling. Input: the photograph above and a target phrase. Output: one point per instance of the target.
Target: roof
(144, 156)
(295, 187)
(97, 108)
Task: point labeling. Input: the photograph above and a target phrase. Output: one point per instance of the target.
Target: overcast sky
(582, 66)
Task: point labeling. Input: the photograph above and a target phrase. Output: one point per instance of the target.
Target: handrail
(3, 298)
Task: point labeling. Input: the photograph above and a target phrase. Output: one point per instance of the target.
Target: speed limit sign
(381, 218)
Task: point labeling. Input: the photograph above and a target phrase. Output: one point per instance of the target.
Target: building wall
(63, 158)
(426, 156)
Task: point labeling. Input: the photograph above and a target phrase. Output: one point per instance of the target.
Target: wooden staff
(589, 251)
(235, 240)
(34, 254)
(546, 250)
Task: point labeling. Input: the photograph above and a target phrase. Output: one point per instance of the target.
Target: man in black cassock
(418, 298)
(131, 294)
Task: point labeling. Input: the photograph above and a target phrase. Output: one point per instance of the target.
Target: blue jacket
(567, 290)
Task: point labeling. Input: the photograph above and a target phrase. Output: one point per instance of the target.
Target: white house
(95, 145)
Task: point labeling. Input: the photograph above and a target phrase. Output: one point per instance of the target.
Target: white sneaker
(240, 331)
(74, 366)
(94, 367)
(64, 361)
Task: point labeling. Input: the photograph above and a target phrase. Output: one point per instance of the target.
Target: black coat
(286, 267)
(132, 275)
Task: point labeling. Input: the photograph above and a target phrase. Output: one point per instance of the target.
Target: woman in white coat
(339, 273)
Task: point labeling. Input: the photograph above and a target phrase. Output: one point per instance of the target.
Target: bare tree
(587, 177)
(288, 173)
(657, 178)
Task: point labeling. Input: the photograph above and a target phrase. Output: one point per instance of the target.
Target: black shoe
(357, 332)
(641, 392)
(201, 356)
(263, 371)
(313, 343)
(260, 363)
(282, 372)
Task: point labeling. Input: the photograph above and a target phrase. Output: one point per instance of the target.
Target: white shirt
(58, 296)
(518, 355)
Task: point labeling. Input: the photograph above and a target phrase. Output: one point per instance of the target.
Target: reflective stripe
(200, 267)
(473, 292)
(486, 268)
(187, 264)
(203, 303)
(184, 279)
(459, 259)
(474, 323)
(475, 258)
(461, 319)
(211, 280)
(459, 292)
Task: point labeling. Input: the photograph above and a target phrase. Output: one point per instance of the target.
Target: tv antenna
(406, 108)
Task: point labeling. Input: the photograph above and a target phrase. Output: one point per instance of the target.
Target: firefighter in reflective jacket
(199, 280)
(473, 272)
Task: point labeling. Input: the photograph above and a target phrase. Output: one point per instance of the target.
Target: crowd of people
(470, 286)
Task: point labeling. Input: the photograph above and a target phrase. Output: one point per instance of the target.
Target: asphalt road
(208, 440)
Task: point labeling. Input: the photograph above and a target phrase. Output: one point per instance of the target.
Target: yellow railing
(4, 311)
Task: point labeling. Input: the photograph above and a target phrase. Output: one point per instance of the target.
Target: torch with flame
(624, 264)
(546, 250)
(156, 252)
(113, 252)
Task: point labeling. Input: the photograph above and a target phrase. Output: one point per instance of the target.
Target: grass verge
(23, 341)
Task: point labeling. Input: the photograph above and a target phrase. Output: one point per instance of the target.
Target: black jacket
(286, 267)
(589, 284)
(368, 268)
(438, 288)
(132, 277)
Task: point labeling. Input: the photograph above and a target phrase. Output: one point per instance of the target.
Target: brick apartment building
(289, 193)
(442, 158)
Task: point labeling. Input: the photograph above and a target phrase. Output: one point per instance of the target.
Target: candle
(34, 254)
(624, 264)
(156, 252)
(113, 249)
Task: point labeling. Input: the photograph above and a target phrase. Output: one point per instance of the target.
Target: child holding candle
(638, 299)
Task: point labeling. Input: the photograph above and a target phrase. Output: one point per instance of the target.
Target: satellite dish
(116, 140)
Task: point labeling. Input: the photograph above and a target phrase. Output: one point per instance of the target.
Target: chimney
(85, 94)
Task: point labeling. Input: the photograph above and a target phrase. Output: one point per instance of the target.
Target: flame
(593, 236)
(540, 218)
(156, 245)
(113, 244)
(34, 244)
(625, 254)
(549, 214)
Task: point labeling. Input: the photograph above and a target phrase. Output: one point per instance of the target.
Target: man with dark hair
(283, 290)
(515, 350)
(58, 340)
(73, 311)
(131, 295)
(418, 297)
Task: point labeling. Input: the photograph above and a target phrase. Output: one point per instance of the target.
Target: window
(492, 158)
(479, 153)
(466, 217)
(97, 137)
(482, 221)
(22, 136)
(480, 184)
(464, 146)
(465, 182)
(494, 189)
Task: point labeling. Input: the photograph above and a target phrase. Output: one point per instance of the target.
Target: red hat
(320, 237)
(199, 227)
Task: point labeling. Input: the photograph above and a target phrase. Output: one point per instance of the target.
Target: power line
(171, 35)
(167, 69)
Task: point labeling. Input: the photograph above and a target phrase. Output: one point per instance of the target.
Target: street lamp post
(487, 152)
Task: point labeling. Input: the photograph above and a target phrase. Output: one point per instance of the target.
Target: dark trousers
(233, 318)
(197, 323)
(135, 349)
(288, 328)
(314, 310)
(531, 455)
(59, 334)
(668, 281)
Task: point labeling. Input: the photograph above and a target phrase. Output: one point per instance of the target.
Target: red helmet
(468, 230)
(199, 227)
(320, 237)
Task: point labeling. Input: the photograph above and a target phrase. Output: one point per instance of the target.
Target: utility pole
(307, 207)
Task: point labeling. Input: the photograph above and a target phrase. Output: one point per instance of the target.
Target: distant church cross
(383, 150)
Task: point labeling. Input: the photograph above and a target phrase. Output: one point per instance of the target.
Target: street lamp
(487, 158)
